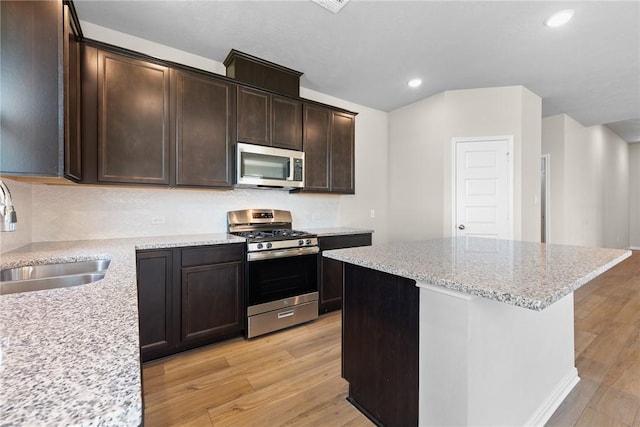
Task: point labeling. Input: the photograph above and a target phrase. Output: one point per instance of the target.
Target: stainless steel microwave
(260, 166)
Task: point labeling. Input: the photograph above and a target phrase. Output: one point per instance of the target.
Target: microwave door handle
(290, 169)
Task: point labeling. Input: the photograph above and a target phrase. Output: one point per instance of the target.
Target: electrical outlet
(372, 213)
(160, 219)
(315, 217)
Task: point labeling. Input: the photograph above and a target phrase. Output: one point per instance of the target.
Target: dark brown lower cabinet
(331, 271)
(380, 345)
(155, 301)
(210, 300)
(189, 297)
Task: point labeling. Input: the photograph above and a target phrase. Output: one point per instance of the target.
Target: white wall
(418, 150)
(420, 156)
(589, 183)
(634, 195)
(21, 197)
(553, 144)
(78, 212)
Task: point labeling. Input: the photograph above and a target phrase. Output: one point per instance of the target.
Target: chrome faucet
(8, 217)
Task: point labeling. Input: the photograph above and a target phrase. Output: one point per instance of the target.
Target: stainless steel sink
(51, 276)
(17, 286)
(53, 270)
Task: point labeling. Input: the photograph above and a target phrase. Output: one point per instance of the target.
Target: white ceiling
(589, 69)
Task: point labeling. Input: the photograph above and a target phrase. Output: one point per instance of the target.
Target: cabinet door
(253, 121)
(331, 275)
(286, 123)
(133, 120)
(316, 147)
(72, 149)
(204, 109)
(331, 285)
(30, 53)
(342, 153)
(211, 301)
(155, 299)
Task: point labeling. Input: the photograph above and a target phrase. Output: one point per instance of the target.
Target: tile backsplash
(82, 212)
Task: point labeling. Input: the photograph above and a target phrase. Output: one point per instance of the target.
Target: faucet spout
(8, 216)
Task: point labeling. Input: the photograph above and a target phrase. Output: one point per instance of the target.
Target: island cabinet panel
(267, 119)
(155, 302)
(380, 345)
(332, 271)
(204, 131)
(329, 146)
(133, 120)
(189, 297)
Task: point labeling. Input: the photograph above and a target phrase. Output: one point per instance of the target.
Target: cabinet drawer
(282, 318)
(346, 241)
(212, 254)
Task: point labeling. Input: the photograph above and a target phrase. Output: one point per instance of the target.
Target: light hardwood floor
(293, 378)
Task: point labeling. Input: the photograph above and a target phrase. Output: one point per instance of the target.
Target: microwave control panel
(297, 169)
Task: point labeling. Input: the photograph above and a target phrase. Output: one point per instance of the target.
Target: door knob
(461, 227)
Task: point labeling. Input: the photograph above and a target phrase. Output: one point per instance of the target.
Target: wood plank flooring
(292, 378)
(607, 351)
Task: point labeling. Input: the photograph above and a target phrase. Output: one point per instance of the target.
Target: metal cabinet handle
(461, 227)
(284, 314)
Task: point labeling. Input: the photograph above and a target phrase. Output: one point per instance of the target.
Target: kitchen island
(462, 331)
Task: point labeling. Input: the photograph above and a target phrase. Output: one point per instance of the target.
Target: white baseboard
(634, 248)
(549, 406)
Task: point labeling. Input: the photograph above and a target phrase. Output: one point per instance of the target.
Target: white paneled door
(483, 187)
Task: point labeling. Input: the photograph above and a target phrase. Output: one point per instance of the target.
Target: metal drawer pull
(286, 314)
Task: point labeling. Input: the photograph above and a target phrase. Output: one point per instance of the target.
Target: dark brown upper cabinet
(329, 146)
(133, 120)
(39, 89)
(342, 152)
(267, 119)
(204, 131)
(317, 148)
(72, 84)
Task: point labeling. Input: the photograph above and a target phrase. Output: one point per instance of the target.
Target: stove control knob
(259, 245)
(308, 241)
(300, 242)
(269, 245)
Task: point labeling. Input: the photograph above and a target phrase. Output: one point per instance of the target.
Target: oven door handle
(284, 253)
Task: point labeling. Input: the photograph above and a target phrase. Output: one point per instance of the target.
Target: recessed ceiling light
(332, 5)
(559, 18)
(414, 82)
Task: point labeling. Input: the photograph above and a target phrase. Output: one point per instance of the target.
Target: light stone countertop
(524, 274)
(337, 231)
(70, 356)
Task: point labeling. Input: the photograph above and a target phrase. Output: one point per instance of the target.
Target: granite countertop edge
(338, 231)
(484, 292)
(80, 342)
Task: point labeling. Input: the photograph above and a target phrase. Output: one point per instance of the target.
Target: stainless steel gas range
(281, 273)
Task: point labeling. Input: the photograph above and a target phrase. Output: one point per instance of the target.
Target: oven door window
(273, 279)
